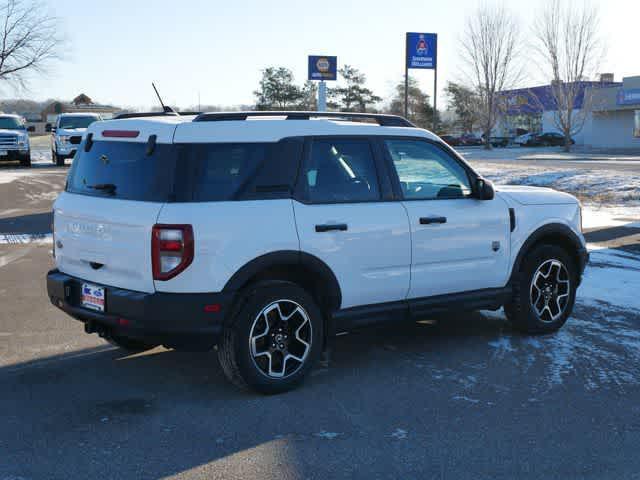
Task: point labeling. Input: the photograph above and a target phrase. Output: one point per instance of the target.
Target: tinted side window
(240, 171)
(426, 171)
(341, 170)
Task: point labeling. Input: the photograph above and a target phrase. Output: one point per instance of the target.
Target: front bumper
(14, 155)
(173, 319)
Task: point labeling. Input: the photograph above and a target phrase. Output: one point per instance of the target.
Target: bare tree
(490, 44)
(567, 41)
(29, 39)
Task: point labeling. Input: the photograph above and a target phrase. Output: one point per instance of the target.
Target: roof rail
(153, 114)
(381, 119)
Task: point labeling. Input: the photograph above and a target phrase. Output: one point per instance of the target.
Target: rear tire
(130, 344)
(274, 340)
(544, 291)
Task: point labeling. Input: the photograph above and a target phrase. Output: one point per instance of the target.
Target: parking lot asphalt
(461, 396)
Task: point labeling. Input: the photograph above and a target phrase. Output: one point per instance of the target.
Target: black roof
(381, 119)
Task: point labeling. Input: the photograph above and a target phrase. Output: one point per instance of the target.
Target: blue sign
(628, 96)
(323, 67)
(422, 50)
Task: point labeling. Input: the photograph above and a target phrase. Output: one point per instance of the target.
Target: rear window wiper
(109, 188)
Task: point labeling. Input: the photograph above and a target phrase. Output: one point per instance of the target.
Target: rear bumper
(173, 319)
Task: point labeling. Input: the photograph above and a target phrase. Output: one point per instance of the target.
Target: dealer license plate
(92, 297)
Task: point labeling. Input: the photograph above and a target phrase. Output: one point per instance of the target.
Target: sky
(213, 51)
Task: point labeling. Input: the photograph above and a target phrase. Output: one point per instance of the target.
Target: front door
(342, 219)
(459, 243)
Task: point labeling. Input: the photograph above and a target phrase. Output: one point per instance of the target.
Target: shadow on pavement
(33, 224)
(98, 413)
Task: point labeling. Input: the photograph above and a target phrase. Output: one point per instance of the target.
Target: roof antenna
(165, 108)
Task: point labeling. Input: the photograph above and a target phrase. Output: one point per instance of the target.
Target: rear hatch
(115, 190)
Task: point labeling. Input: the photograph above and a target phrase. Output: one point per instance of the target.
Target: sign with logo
(323, 67)
(628, 96)
(422, 49)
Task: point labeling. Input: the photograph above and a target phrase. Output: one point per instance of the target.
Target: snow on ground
(590, 185)
(543, 153)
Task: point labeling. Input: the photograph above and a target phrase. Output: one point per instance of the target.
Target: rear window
(186, 172)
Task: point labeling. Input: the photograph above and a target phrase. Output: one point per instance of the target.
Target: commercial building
(607, 111)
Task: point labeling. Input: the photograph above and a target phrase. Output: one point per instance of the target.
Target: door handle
(430, 220)
(327, 227)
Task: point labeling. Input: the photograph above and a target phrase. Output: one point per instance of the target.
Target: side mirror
(484, 189)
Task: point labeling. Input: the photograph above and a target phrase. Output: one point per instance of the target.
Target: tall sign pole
(421, 52)
(322, 68)
(322, 96)
(406, 77)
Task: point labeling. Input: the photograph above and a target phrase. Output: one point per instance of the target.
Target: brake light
(171, 250)
(120, 133)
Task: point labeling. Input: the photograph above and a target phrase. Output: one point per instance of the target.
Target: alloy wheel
(280, 339)
(550, 288)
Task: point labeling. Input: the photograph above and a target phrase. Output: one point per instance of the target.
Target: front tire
(25, 161)
(544, 291)
(274, 340)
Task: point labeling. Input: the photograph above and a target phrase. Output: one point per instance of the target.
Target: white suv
(67, 134)
(268, 233)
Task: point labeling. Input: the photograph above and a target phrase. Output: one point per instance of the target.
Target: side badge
(495, 246)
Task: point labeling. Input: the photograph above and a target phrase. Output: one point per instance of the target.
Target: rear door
(103, 221)
(343, 218)
(459, 243)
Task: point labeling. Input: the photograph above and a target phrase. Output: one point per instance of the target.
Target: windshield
(77, 122)
(11, 123)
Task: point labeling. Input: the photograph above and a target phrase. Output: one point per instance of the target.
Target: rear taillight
(171, 250)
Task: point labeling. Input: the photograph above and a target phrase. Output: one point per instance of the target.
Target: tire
(59, 159)
(280, 304)
(546, 307)
(130, 344)
(26, 160)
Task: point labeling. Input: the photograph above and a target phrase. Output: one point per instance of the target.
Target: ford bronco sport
(266, 233)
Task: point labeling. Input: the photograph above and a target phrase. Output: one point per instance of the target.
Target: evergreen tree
(466, 103)
(277, 90)
(420, 111)
(353, 96)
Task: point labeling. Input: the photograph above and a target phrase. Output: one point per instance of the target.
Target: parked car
(546, 139)
(451, 140)
(14, 140)
(267, 238)
(67, 133)
(550, 139)
(499, 142)
(524, 140)
(471, 140)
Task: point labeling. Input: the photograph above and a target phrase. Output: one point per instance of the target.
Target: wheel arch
(301, 268)
(553, 234)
